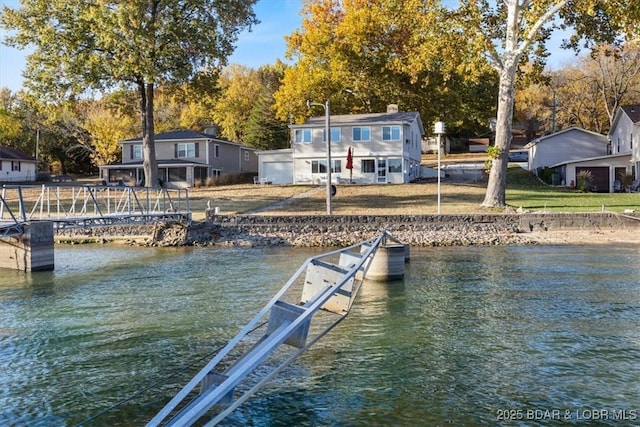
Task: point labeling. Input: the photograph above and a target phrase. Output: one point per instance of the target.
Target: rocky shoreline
(469, 230)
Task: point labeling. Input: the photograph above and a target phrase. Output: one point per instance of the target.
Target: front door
(381, 171)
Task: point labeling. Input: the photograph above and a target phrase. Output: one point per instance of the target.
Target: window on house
(216, 151)
(335, 135)
(391, 133)
(186, 149)
(303, 136)
(177, 174)
(337, 166)
(0, 165)
(246, 156)
(136, 152)
(318, 166)
(215, 173)
(368, 166)
(15, 166)
(394, 165)
(362, 133)
(631, 142)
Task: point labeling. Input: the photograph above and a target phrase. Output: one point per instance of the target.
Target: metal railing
(9, 224)
(331, 282)
(88, 205)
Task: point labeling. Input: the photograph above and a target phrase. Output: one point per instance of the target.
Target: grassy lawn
(523, 191)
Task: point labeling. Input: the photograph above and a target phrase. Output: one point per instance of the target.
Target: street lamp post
(439, 129)
(327, 124)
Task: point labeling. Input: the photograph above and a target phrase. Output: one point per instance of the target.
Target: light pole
(327, 131)
(439, 129)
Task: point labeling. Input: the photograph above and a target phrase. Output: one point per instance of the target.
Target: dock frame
(331, 282)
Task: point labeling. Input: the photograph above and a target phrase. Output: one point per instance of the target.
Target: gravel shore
(210, 234)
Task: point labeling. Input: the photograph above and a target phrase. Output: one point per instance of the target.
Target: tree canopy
(364, 55)
(79, 46)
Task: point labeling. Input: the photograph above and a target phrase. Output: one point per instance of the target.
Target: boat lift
(330, 284)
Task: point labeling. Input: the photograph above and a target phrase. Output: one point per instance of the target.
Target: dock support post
(31, 251)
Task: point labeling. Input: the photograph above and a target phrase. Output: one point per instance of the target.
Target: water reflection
(468, 332)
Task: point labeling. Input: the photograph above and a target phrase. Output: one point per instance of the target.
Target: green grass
(526, 191)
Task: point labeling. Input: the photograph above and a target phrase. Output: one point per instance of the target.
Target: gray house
(384, 147)
(184, 158)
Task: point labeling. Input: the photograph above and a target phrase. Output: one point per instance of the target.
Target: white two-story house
(625, 135)
(184, 158)
(385, 148)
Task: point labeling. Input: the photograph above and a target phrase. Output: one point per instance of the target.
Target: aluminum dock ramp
(329, 282)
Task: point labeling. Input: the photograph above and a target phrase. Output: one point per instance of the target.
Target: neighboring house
(625, 135)
(605, 170)
(478, 145)
(184, 158)
(566, 145)
(386, 148)
(430, 145)
(16, 165)
(574, 150)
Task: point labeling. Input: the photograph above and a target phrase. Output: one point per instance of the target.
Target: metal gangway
(330, 283)
(74, 206)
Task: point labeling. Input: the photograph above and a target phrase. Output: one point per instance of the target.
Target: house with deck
(185, 157)
(17, 166)
(385, 148)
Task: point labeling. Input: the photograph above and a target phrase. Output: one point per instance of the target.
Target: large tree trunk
(495, 195)
(149, 164)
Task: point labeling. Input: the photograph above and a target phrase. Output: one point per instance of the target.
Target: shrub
(626, 180)
(584, 180)
(546, 174)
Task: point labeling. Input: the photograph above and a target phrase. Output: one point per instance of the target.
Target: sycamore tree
(508, 31)
(80, 46)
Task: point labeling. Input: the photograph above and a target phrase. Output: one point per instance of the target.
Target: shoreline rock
(471, 230)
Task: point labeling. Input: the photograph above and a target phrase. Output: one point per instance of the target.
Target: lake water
(471, 336)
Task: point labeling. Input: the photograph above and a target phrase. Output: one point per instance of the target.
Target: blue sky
(263, 45)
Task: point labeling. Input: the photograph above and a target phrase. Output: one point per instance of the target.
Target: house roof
(8, 153)
(633, 111)
(588, 159)
(364, 119)
(186, 135)
(536, 141)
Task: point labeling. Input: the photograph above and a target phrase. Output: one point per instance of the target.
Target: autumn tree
(107, 125)
(78, 46)
(244, 109)
(616, 72)
(585, 93)
(363, 55)
(508, 31)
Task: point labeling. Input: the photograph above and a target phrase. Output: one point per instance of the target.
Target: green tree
(138, 44)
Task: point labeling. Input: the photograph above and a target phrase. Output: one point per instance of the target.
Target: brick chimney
(392, 108)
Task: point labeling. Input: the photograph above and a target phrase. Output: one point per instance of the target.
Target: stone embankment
(338, 230)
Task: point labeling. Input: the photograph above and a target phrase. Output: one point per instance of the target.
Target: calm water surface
(537, 335)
